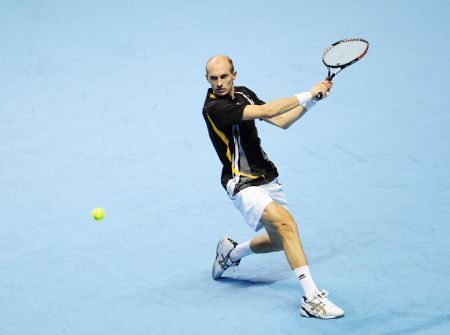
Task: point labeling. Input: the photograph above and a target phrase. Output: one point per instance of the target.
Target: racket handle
(319, 95)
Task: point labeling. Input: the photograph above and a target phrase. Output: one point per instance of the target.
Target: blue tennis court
(100, 106)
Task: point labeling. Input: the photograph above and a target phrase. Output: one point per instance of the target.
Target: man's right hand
(323, 87)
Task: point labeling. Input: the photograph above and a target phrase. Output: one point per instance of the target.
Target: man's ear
(206, 76)
(235, 75)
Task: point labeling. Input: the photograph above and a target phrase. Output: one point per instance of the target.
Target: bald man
(250, 178)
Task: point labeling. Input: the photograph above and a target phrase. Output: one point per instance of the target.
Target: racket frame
(340, 67)
(343, 66)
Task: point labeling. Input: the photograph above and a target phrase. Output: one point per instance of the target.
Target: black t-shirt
(236, 141)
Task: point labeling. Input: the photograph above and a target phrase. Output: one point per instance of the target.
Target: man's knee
(277, 219)
(283, 227)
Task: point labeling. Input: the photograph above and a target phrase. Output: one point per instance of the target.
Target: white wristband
(303, 97)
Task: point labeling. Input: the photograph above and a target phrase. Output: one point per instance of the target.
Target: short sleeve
(255, 98)
(225, 112)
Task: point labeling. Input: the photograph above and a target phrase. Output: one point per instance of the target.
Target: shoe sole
(215, 274)
(306, 314)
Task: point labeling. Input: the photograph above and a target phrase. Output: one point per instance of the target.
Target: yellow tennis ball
(98, 213)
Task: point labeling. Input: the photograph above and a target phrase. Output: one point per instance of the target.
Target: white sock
(241, 250)
(308, 285)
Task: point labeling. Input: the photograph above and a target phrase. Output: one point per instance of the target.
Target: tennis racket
(342, 54)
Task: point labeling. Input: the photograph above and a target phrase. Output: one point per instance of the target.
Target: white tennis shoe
(320, 307)
(223, 260)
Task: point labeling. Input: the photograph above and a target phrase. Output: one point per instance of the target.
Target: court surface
(100, 106)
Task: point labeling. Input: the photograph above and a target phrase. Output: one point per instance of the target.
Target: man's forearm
(270, 109)
(282, 106)
(286, 119)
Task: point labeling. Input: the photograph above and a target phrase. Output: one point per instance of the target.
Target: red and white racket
(342, 54)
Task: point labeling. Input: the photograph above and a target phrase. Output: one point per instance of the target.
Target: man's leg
(283, 233)
(260, 244)
(272, 241)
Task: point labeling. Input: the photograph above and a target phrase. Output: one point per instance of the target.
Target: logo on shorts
(302, 276)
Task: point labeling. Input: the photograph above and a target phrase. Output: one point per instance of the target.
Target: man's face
(220, 76)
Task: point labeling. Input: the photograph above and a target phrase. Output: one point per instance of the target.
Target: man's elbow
(266, 112)
(284, 124)
(279, 123)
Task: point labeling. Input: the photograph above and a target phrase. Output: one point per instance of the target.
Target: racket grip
(319, 95)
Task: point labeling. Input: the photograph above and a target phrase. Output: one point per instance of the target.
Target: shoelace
(322, 294)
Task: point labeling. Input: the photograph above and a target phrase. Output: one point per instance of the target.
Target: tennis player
(250, 178)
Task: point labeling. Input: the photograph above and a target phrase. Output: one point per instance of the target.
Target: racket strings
(345, 52)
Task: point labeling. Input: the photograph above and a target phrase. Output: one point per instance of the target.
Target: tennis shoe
(320, 307)
(223, 260)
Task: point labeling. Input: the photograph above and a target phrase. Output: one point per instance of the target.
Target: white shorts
(252, 201)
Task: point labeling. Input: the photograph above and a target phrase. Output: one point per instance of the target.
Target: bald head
(221, 75)
(219, 60)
